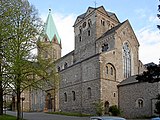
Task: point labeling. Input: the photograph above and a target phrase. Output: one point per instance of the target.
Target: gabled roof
(50, 29)
(112, 30)
(90, 9)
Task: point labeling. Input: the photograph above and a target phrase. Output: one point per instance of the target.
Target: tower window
(89, 23)
(89, 33)
(84, 24)
(65, 65)
(65, 97)
(103, 22)
(80, 30)
(106, 69)
(114, 94)
(111, 71)
(74, 95)
(105, 47)
(80, 38)
(89, 93)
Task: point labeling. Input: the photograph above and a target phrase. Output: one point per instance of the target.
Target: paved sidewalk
(44, 116)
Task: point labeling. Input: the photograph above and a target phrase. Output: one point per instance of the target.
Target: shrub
(99, 108)
(114, 110)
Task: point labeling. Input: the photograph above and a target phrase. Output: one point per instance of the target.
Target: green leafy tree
(5, 30)
(20, 27)
(99, 107)
(151, 75)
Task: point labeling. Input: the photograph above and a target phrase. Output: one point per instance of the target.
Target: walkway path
(44, 116)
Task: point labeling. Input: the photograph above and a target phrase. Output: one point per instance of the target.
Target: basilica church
(105, 55)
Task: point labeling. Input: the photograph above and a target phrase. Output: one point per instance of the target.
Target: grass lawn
(7, 117)
(70, 114)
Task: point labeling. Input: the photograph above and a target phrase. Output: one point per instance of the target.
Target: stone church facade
(106, 52)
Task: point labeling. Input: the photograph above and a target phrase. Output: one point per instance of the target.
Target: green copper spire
(50, 28)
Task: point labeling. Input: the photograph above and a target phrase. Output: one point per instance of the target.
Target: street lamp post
(23, 98)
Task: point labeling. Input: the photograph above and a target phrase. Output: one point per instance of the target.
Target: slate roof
(83, 15)
(112, 30)
(130, 80)
(110, 13)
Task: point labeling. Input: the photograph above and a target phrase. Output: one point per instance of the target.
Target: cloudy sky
(142, 15)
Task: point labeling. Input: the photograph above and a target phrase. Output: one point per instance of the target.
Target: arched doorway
(48, 102)
(106, 107)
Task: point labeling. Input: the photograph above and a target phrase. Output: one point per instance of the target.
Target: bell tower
(50, 42)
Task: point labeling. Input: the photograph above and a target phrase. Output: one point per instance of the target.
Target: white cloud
(66, 31)
(141, 13)
(154, 19)
(149, 40)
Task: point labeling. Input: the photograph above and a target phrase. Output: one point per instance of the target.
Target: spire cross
(95, 3)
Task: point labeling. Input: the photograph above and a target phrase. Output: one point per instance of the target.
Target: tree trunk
(18, 103)
(1, 90)
(54, 98)
(1, 97)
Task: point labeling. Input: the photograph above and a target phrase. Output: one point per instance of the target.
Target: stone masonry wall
(129, 95)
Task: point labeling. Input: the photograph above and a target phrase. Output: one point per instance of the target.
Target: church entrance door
(106, 107)
(49, 102)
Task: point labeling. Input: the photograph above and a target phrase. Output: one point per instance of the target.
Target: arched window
(74, 95)
(140, 103)
(65, 65)
(80, 29)
(114, 94)
(89, 93)
(103, 22)
(106, 69)
(84, 24)
(89, 23)
(65, 97)
(111, 71)
(80, 38)
(126, 60)
(89, 33)
(105, 47)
